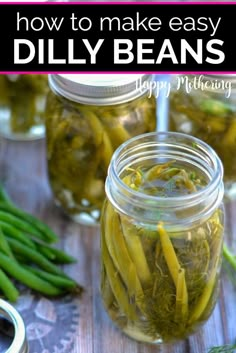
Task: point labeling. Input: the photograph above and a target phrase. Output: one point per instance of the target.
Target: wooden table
(80, 325)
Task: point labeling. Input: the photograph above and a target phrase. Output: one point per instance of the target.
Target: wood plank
(83, 325)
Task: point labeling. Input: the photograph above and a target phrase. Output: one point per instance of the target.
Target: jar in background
(22, 105)
(162, 236)
(205, 106)
(87, 118)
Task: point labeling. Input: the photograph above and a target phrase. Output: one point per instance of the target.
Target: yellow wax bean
(135, 248)
(169, 253)
(181, 297)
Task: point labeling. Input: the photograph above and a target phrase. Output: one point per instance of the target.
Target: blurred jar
(205, 106)
(22, 106)
(14, 320)
(87, 118)
(162, 236)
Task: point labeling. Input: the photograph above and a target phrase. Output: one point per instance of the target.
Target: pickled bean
(135, 249)
(81, 140)
(117, 286)
(167, 278)
(211, 120)
(23, 97)
(181, 297)
(169, 254)
(209, 288)
(127, 269)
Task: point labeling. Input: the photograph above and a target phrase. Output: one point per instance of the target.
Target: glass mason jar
(161, 236)
(22, 105)
(205, 106)
(87, 118)
(19, 343)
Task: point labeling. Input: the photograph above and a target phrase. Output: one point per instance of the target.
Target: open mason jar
(87, 118)
(205, 106)
(22, 106)
(161, 236)
(19, 342)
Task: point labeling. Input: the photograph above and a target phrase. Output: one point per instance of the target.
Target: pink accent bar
(119, 2)
(121, 72)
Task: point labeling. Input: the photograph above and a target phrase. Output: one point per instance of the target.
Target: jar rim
(119, 187)
(19, 343)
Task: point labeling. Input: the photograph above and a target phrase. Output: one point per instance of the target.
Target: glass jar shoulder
(120, 121)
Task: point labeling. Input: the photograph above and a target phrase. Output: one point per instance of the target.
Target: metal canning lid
(100, 89)
(19, 343)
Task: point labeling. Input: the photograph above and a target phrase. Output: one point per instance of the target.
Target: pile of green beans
(27, 255)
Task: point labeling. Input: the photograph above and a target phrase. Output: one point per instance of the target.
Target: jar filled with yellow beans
(205, 106)
(161, 236)
(22, 106)
(87, 118)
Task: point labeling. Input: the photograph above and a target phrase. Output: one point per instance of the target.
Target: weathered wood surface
(73, 325)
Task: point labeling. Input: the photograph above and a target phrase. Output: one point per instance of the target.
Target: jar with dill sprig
(87, 117)
(204, 106)
(161, 236)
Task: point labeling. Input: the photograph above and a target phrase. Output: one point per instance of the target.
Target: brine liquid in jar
(87, 118)
(204, 106)
(22, 106)
(161, 236)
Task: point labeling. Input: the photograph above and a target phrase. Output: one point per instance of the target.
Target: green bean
(8, 288)
(19, 223)
(4, 246)
(58, 281)
(12, 232)
(56, 255)
(34, 256)
(28, 278)
(46, 252)
(3, 195)
(45, 231)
